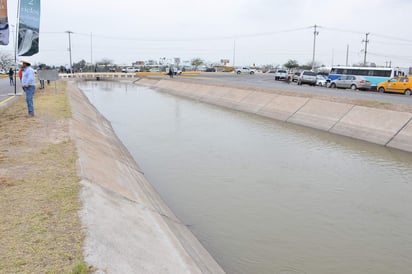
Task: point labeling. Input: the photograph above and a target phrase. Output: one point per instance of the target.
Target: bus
(373, 74)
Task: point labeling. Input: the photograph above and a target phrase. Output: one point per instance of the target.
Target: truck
(281, 74)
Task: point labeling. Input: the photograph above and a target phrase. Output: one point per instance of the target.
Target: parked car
(351, 81)
(245, 70)
(281, 74)
(401, 84)
(130, 69)
(321, 80)
(307, 77)
(210, 70)
(2, 71)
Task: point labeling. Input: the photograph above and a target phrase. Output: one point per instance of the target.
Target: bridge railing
(97, 75)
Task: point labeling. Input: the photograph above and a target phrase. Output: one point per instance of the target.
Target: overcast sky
(254, 32)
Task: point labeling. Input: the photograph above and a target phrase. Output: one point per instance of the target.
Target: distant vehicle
(281, 74)
(2, 71)
(210, 70)
(245, 70)
(112, 70)
(351, 81)
(401, 84)
(321, 80)
(295, 76)
(372, 74)
(307, 77)
(130, 69)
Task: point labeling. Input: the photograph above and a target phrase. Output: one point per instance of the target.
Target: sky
(258, 32)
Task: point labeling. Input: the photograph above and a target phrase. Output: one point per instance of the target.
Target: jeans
(29, 98)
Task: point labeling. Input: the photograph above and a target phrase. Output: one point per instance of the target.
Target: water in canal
(265, 196)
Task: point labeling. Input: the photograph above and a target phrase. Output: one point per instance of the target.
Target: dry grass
(40, 230)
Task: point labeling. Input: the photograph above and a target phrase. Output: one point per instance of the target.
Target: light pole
(70, 50)
(315, 33)
(14, 32)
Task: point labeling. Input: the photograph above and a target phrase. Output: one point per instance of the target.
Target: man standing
(11, 76)
(29, 85)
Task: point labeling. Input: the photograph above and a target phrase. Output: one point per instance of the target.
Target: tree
(80, 66)
(6, 60)
(291, 64)
(267, 67)
(196, 62)
(104, 62)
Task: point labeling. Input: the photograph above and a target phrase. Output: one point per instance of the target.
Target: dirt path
(40, 230)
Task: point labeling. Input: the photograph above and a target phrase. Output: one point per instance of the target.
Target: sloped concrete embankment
(128, 227)
(384, 127)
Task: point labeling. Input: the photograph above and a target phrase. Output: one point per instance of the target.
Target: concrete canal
(265, 196)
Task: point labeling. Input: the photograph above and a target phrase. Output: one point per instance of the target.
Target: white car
(2, 71)
(245, 70)
(321, 80)
(130, 69)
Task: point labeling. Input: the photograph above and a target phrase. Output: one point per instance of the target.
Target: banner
(4, 23)
(29, 26)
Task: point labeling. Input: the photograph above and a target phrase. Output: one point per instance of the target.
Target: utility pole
(91, 48)
(234, 53)
(347, 55)
(366, 41)
(315, 33)
(70, 50)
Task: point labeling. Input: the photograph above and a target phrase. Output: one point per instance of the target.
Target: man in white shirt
(29, 85)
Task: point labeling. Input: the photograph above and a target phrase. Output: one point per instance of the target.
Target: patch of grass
(80, 268)
(40, 230)
(54, 103)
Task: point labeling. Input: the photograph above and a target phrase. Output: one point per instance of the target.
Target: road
(5, 88)
(268, 81)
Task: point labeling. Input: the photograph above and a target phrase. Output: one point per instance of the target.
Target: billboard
(4, 24)
(29, 26)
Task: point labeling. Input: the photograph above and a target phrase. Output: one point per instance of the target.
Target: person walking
(11, 76)
(171, 72)
(29, 85)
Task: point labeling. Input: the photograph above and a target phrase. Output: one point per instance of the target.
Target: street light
(315, 33)
(70, 50)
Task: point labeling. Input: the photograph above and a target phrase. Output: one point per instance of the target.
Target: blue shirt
(28, 77)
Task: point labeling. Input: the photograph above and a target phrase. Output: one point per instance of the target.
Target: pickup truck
(281, 74)
(245, 70)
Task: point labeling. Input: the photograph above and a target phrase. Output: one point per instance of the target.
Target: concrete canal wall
(128, 227)
(384, 127)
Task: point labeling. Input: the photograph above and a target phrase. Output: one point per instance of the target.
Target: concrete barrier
(129, 229)
(380, 126)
